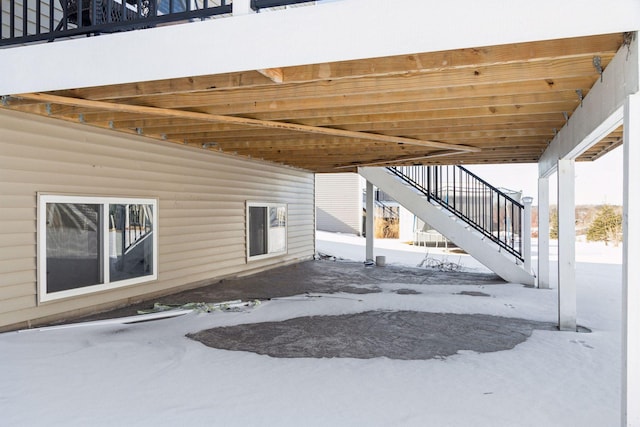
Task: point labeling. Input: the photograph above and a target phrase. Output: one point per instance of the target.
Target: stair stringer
(472, 242)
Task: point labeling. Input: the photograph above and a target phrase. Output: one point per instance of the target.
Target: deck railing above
(28, 21)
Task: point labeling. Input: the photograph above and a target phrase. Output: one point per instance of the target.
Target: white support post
(369, 222)
(630, 272)
(567, 313)
(241, 7)
(526, 233)
(543, 233)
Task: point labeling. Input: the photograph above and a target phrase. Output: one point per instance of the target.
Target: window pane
(257, 230)
(168, 6)
(73, 246)
(130, 241)
(277, 229)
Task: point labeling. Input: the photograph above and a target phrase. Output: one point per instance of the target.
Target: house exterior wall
(201, 197)
(339, 203)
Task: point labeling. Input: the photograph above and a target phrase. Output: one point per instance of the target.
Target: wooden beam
(461, 58)
(393, 116)
(387, 66)
(177, 85)
(379, 103)
(274, 74)
(401, 159)
(446, 79)
(136, 109)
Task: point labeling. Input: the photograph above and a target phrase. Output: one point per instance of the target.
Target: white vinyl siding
(201, 206)
(339, 202)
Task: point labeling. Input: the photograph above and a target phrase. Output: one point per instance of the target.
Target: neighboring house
(339, 204)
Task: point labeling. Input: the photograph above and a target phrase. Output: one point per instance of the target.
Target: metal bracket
(597, 64)
(81, 118)
(48, 107)
(566, 116)
(111, 126)
(139, 131)
(5, 100)
(580, 95)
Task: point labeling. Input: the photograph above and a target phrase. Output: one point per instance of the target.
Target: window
(171, 6)
(90, 244)
(266, 230)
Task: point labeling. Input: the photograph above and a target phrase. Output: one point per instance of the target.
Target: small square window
(266, 230)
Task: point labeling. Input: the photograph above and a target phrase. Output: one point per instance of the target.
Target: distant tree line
(601, 223)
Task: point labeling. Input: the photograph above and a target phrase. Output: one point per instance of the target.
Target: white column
(543, 233)
(526, 233)
(369, 222)
(630, 270)
(567, 312)
(241, 7)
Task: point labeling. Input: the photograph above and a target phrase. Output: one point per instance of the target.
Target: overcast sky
(597, 182)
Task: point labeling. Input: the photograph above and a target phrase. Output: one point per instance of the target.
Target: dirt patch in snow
(405, 335)
(322, 276)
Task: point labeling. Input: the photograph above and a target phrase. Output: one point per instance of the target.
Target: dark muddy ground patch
(405, 335)
(321, 276)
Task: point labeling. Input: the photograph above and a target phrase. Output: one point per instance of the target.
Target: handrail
(27, 21)
(387, 211)
(484, 207)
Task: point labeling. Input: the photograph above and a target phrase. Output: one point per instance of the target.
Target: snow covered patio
(151, 374)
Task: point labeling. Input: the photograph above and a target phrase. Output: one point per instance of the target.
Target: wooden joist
(493, 104)
(136, 109)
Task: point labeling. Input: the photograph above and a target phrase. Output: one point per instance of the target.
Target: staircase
(479, 218)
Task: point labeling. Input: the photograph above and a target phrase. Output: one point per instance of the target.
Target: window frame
(107, 284)
(267, 205)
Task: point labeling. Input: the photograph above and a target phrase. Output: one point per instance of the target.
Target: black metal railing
(27, 21)
(380, 201)
(484, 207)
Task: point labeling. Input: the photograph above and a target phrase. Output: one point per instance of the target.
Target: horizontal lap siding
(339, 202)
(201, 209)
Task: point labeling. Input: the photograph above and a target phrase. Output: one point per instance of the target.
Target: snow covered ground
(150, 374)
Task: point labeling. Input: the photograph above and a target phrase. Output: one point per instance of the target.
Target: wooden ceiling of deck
(498, 104)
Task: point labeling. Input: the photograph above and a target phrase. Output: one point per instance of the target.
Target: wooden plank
(396, 65)
(252, 137)
(429, 62)
(409, 158)
(534, 87)
(445, 78)
(178, 85)
(276, 75)
(239, 120)
(382, 103)
(466, 113)
(543, 120)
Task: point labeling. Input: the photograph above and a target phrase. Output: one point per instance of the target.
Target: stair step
(467, 236)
